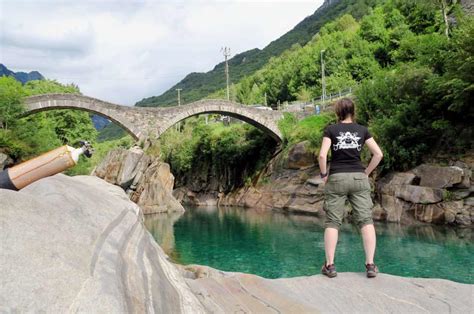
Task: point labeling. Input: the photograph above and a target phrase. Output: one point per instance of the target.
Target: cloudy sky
(123, 51)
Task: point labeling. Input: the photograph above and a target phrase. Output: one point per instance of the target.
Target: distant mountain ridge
(196, 86)
(22, 77)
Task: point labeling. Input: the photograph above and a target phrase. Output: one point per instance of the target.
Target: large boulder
(148, 182)
(154, 191)
(394, 208)
(390, 183)
(121, 166)
(419, 194)
(300, 157)
(466, 176)
(78, 244)
(438, 177)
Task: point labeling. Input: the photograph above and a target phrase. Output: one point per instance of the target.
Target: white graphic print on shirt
(347, 140)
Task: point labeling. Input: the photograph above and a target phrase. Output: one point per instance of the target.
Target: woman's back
(347, 140)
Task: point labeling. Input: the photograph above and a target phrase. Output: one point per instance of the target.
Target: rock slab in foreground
(222, 292)
(78, 244)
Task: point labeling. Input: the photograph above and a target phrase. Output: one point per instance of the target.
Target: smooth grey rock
(419, 194)
(5, 160)
(79, 245)
(130, 165)
(224, 292)
(438, 177)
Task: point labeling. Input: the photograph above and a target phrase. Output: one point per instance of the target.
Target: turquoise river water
(273, 244)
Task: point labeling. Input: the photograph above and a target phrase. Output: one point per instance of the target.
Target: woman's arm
(377, 155)
(323, 155)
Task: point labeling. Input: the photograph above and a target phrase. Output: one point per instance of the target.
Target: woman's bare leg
(330, 242)
(369, 239)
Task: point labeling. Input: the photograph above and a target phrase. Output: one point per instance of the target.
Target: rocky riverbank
(429, 193)
(78, 244)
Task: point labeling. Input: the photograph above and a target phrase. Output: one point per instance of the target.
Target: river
(273, 244)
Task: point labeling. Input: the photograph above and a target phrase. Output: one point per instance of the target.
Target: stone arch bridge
(144, 122)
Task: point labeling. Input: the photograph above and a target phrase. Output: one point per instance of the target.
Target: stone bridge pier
(144, 122)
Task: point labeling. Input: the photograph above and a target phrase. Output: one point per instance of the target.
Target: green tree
(11, 94)
(69, 125)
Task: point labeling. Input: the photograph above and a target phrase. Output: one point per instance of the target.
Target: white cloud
(123, 51)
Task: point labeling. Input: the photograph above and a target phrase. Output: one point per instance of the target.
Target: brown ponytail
(344, 108)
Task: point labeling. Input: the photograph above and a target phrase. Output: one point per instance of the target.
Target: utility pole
(178, 126)
(179, 96)
(226, 52)
(323, 79)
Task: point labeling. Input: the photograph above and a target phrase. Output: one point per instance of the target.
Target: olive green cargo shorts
(352, 186)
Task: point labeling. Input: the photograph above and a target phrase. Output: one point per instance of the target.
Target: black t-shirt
(347, 140)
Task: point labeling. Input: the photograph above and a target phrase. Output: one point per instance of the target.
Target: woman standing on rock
(348, 180)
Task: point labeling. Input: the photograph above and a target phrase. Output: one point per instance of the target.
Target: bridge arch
(141, 122)
(118, 114)
(265, 120)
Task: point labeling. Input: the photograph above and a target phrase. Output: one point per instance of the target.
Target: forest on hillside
(196, 86)
(411, 71)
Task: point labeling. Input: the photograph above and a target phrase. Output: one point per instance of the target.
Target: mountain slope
(23, 77)
(198, 85)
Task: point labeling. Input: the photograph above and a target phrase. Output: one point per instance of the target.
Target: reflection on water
(273, 244)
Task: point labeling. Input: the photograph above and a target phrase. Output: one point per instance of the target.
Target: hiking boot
(372, 270)
(329, 270)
